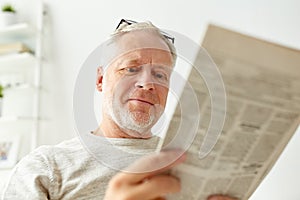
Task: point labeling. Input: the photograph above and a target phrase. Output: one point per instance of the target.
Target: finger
(151, 165)
(157, 187)
(221, 197)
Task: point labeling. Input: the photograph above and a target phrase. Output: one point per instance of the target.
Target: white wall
(75, 28)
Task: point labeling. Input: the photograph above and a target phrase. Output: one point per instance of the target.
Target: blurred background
(73, 29)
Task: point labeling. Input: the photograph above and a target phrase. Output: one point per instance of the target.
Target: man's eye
(131, 70)
(161, 76)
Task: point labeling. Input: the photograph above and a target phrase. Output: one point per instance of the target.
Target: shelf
(16, 118)
(16, 32)
(16, 62)
(23, 86)
(20, 74)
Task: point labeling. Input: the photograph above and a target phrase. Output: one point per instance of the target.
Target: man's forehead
(141, 39)
(146, 56)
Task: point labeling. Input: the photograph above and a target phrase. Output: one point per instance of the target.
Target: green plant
(8, 8)
(1, 91)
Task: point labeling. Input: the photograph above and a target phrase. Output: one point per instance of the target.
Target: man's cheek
(163, 94)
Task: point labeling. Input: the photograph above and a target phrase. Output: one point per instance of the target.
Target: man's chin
(140, 125)
(142, 119)
(135, 121)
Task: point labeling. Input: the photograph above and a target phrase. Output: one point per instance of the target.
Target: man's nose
(145, 81)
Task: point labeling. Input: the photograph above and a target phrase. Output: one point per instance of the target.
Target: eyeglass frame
(129, 22)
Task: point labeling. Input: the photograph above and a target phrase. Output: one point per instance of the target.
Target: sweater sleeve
(31, 178)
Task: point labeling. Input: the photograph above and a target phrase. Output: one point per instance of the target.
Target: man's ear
(99, 80)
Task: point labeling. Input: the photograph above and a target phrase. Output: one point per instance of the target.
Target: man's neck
(108, 128)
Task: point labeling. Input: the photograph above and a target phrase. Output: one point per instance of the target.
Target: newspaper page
(262, 82)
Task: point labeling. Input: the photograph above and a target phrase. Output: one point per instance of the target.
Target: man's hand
(149, 182)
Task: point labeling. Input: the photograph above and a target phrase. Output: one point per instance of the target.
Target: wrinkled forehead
(144, 56)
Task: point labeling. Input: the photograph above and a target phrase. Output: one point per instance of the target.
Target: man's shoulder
(66, 151)
(72, 145)
(67, 145)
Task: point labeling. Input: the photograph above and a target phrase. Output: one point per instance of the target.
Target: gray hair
(126, 28)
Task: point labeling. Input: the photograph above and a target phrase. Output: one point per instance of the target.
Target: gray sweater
(68, 170)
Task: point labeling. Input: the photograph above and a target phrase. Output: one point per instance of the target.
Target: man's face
(135, 87)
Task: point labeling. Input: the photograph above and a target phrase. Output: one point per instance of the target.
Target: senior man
(135, 89)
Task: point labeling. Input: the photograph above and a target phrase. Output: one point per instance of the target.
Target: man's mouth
(142, 101)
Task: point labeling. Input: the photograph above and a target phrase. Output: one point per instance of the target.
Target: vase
(1, 102)
(7, 19)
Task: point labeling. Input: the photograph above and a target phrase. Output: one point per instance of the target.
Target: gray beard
(126, 119)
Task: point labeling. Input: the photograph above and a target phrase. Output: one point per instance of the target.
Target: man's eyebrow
(139, 61)
(161, 66)
(136, 61)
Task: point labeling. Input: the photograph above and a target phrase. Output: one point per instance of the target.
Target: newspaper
(262, 82)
